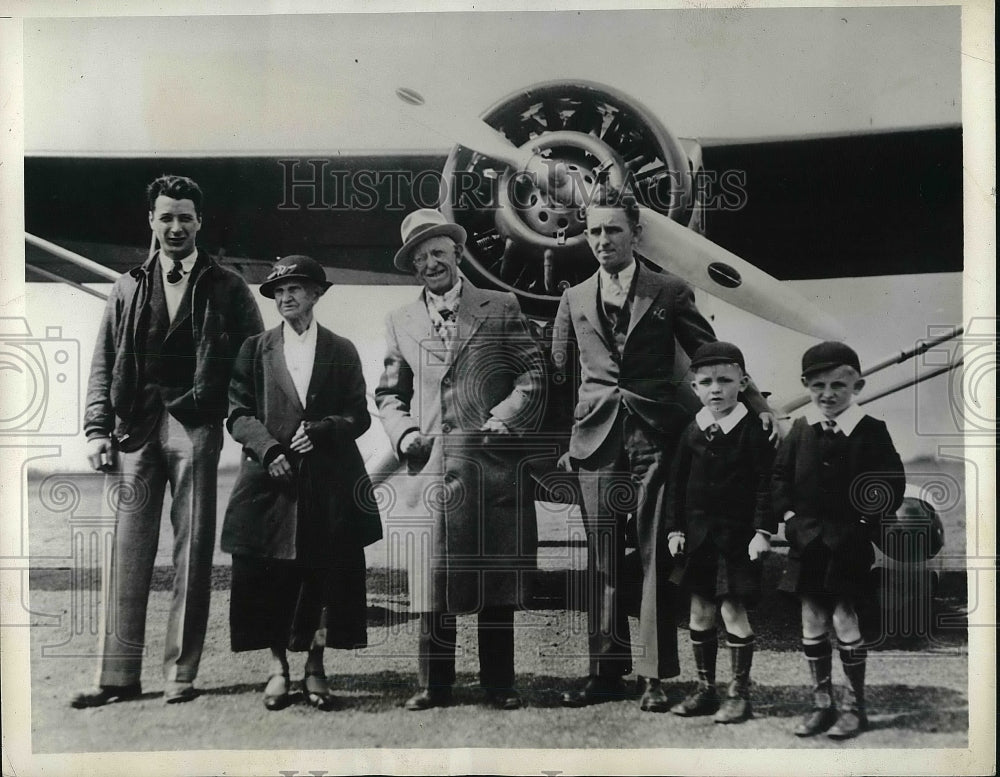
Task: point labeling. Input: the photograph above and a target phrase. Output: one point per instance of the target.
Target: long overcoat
(330, 505)
(464, 517)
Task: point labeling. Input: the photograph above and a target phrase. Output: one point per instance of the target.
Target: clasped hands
(280, 467)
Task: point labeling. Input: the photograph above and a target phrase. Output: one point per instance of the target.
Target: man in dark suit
(301, 511)
(155, 403)
(463, 382)
(631, 407)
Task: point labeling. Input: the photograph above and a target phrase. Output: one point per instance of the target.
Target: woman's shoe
(276, 692)
(317, 691)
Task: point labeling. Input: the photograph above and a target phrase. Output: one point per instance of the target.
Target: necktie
(712, 431)
(615, 293)
(175, 273)
(830, 427)
(448, 324)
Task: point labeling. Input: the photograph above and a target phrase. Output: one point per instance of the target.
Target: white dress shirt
(614, 290)
(300, 355)
(726, 424)
(845, 422)
(174, 292)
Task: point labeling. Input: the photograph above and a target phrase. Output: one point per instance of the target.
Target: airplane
(847, 219)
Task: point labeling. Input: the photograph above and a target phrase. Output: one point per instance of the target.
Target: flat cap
(718, 353)
(827, 356)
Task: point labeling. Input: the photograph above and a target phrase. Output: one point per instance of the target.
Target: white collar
(446, 300)
(849, 417)
(289, 335)
(624, 276)
(187, 263)
(727, 423)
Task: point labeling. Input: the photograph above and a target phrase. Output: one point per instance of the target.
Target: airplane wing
(855, 205)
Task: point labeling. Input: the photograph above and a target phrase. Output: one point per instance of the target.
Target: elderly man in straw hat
(462, 387)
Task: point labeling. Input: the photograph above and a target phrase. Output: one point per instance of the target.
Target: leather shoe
(850, 723)
(178, 692)
(426, 698)
(597, 691)
(817, 721)
(654, 698)
(704, 701)
(508, 699)
(276, 696)
(105, 694)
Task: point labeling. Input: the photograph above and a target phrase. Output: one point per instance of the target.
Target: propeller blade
(460, 127)
(674, 247)
(723, 274)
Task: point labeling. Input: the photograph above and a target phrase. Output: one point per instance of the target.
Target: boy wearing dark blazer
(836, 476)
(719, 523)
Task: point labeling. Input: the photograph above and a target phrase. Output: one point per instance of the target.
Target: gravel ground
(918, 696)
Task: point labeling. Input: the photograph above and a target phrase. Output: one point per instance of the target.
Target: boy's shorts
(713, 575)
(818, 571)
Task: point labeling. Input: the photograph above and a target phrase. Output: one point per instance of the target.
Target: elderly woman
(301, 511)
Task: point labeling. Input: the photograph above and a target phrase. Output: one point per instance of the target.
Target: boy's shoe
(105, 694)
(816, 722)
(823, 714)
(852, 719)
(736, 708)
(704, 701)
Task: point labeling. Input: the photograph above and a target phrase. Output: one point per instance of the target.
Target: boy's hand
(675, 544)
(759, 546)
(770, 423)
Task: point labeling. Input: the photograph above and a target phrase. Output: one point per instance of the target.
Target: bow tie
(712, 431)
(447, 314)
(830, 427)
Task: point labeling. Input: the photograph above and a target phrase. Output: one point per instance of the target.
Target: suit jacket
(720, 490)
(643, 378)
(474, 490)
(833, 484)
(331, 498)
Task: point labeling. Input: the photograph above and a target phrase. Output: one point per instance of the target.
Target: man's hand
(300, 441)
(675, 544)
(416, 446)
(101, 454)
(564, 464)
(759, 546)
(494, 425)
(770, 423)
(279, 468)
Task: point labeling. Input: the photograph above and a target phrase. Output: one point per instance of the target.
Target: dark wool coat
(834, 484)
(329, 505)
(720, 490)
(465, 517)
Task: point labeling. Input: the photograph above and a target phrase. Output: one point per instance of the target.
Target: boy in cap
(836, 476)
(720, 523)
